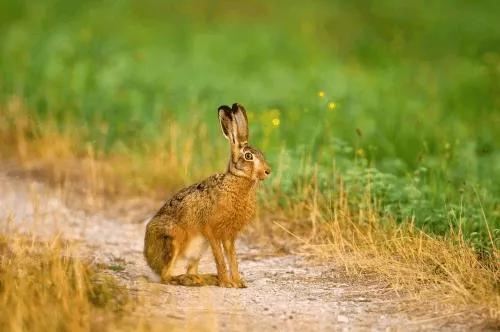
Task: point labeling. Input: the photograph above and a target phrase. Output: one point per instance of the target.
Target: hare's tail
(157, 249)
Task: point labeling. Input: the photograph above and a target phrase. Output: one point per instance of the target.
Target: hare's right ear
(227, 123)
(241, 123)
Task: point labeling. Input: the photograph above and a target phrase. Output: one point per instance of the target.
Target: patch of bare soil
(285, 291)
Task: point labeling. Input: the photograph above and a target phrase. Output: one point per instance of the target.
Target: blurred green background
(402, 94)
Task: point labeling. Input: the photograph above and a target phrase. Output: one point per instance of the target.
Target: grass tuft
(43, 287)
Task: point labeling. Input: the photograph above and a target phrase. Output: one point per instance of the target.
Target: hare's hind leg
(166, 272)
(195, 248)
(192, 267)
(191, 278)
(193, 275)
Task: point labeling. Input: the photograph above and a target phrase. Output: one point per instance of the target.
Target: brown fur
(217, 209)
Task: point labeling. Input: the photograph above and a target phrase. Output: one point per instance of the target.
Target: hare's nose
(268, 171)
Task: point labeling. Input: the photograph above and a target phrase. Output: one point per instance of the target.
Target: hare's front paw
(240, 283)
(226, 283)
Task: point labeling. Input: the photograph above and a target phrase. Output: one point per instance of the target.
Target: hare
(211, 212)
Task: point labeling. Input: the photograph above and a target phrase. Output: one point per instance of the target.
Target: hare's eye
(248, 156)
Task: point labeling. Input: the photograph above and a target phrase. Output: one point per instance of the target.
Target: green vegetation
(399, 96)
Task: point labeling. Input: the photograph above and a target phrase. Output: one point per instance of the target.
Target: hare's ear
(241, 122)
(227, 123)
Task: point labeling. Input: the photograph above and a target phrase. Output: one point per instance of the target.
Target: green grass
(415, 86)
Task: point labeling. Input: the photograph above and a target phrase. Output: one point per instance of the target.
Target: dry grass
(44, 288)
(55, 153)
(359, 236)
(367, 242)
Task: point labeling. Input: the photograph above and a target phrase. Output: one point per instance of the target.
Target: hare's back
(193, 202)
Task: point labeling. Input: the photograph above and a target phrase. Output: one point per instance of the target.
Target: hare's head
(245, 160)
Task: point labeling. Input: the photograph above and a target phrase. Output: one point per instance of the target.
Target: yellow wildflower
(321, 94)
(332, 106)
(276, 122)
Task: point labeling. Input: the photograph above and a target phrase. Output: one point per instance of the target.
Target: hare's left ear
(227, 124)
(241, 124)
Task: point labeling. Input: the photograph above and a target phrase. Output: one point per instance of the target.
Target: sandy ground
(285, 292)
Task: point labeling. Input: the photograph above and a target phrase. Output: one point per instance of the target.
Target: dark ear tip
(224, 107)
(236, 106)
(226, 110)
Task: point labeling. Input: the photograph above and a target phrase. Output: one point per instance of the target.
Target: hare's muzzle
(266, 171)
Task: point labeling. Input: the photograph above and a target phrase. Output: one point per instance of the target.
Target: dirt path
(285, 292)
